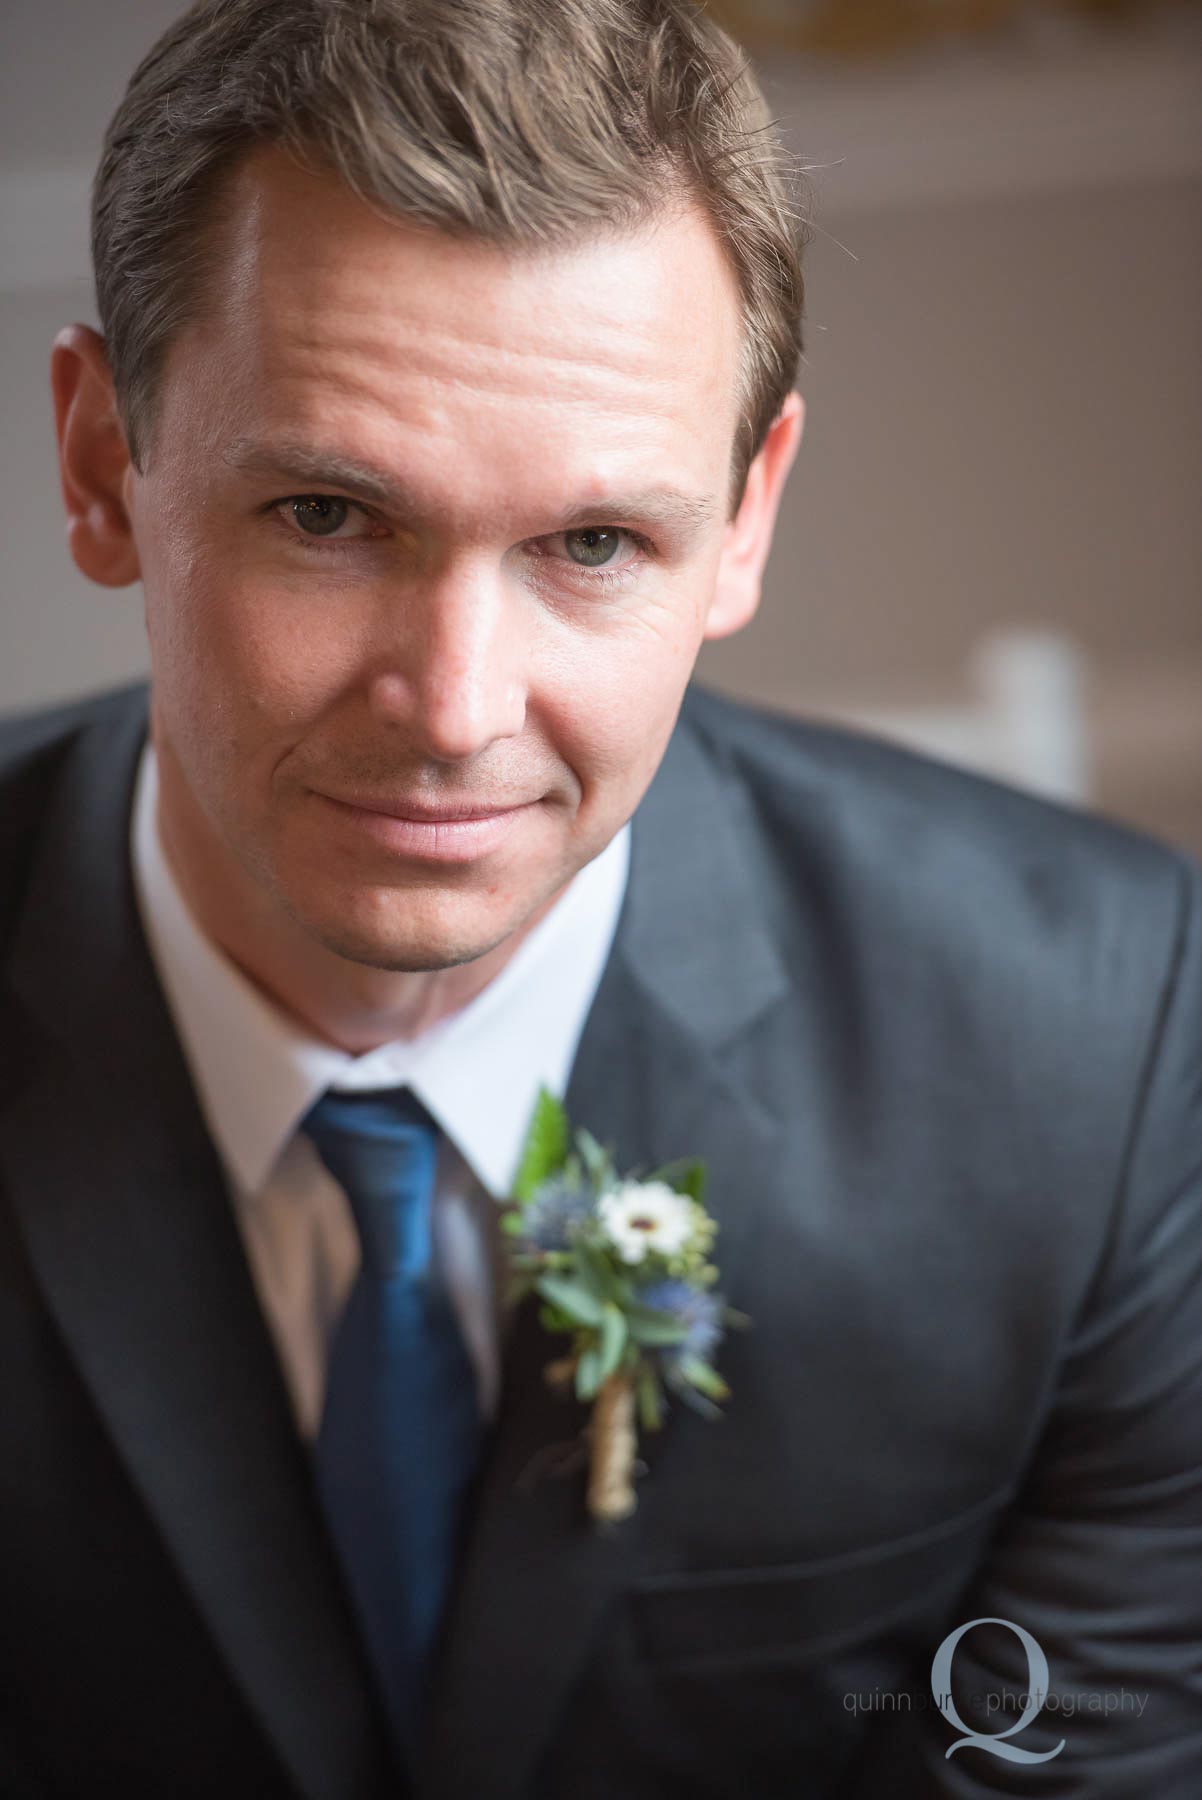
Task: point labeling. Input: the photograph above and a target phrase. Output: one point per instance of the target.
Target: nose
(455, 676)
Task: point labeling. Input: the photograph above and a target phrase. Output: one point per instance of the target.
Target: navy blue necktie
(401, 1431)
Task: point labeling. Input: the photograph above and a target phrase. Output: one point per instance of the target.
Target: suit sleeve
(1100, 1560)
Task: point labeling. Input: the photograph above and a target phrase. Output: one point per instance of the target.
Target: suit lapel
(121, 1198)
(650, 1078)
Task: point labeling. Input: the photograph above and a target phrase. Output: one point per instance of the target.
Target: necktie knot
(382, 1149)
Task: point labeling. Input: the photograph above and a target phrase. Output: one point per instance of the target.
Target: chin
(408, 934)
(415, 957)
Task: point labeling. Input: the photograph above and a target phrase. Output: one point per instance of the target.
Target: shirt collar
(257, 1071)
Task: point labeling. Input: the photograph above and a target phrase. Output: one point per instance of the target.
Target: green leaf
(613, 1339)
(596, 1160)
(697, 1402)
(546, 1146)
(684, 1176)
(700, 1374)
(693, 1181)
(647, 1393)
(551, 1319)
(572, 1298)
(649, 1325)
(588, 1373)
(596, 1271)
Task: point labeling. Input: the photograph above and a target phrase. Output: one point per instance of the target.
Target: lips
(445, 834)
(450, 812)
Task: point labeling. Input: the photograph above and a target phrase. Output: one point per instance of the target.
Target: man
(443, 408)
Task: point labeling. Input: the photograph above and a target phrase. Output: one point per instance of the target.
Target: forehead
(609, 356)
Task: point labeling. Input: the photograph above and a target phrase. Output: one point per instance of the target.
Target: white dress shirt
(257, 1072)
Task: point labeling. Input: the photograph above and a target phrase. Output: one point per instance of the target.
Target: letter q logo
(994, 1741)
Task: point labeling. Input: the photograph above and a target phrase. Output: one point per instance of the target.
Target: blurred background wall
(991, 544)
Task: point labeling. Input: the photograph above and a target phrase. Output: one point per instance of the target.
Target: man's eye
(318, 515)
(594, 546)
(604, 554)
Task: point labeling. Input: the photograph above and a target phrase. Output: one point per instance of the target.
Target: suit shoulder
(33, 747)
(39, 735)
(924, 834)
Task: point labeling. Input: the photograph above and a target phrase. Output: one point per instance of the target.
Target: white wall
(1004, 423)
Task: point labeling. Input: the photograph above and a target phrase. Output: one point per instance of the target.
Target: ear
(93, 458)
(749, 534)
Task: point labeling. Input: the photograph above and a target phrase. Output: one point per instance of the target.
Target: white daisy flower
(640, 1216)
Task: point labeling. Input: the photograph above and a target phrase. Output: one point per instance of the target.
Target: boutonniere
(622, 1266)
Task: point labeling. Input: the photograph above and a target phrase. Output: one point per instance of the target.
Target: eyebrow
(318, 469)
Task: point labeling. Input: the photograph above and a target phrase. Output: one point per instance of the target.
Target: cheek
(240, 677)
(247, 657)
(617, 701)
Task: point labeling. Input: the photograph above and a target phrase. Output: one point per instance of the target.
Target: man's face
(427, 526)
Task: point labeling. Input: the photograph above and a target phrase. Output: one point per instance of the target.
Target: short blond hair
(522, 123)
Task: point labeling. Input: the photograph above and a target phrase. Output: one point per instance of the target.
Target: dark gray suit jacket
(941, 1046)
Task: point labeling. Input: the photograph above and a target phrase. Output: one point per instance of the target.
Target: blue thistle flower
(554, 1212)
(699, 1310)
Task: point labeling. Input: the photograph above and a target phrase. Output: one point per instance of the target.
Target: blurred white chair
(1023, 722)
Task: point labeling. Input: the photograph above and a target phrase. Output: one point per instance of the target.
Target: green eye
(319, 514)
(593, 546)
